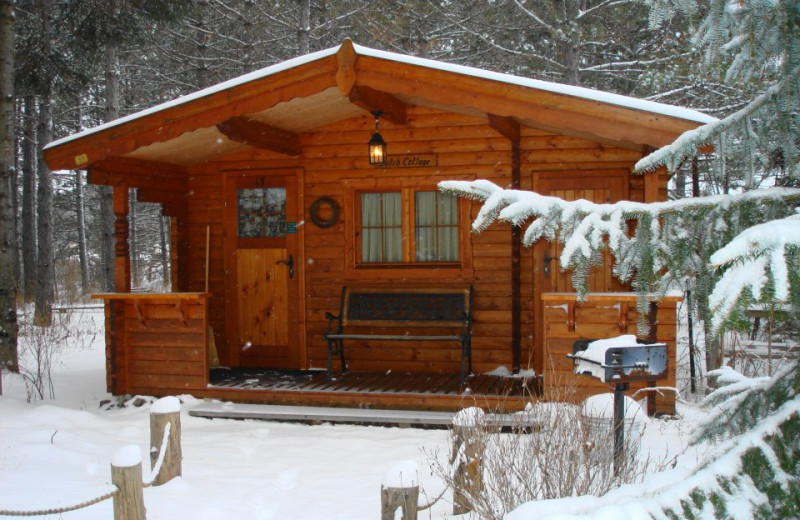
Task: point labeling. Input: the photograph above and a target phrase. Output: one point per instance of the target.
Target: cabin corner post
(510, 128)
(122, 260)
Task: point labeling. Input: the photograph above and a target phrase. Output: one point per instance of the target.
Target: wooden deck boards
(412, 383)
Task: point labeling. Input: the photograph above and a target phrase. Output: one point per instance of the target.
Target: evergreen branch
(690, 141)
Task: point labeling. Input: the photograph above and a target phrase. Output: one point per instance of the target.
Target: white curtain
(381, 227)
(436, 224)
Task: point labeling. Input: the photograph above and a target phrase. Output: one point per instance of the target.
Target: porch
(389, 389)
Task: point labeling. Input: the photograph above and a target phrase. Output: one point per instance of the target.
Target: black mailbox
(617, 363)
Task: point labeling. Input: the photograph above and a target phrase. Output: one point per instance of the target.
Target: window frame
(408, 266)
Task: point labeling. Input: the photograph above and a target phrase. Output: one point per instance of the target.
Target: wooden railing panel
(159, 344)
(600, 316)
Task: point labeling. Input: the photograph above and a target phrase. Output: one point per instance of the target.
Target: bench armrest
(332, 318)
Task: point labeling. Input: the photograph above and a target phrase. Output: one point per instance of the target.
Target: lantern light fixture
(376, 145)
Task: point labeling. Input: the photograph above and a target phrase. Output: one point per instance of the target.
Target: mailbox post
(620, 361)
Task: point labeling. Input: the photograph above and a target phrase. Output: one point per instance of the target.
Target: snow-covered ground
(57, 453)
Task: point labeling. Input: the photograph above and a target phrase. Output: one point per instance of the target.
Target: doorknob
(547, 260)
(288, 263)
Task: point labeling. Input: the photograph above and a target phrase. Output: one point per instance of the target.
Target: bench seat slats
(399, 337)
(402, 309)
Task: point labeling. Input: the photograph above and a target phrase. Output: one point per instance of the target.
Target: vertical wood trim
(516, 274)
(122, 260)
(174, 253)
(651, 185)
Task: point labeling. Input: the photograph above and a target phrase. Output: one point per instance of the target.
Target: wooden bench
(398, 312)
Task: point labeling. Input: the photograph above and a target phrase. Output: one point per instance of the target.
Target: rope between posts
(59, 510)
(161, 455)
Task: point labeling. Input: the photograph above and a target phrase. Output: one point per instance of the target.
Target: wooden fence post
(400, 489)
(166, 411)
(126, 474)
(467, 457)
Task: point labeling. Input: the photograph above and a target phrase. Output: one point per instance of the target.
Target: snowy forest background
(729, 238)
(79, 63)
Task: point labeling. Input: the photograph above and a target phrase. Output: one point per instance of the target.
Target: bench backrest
(421, 307)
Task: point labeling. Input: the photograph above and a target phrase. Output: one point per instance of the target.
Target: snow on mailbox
(620, 360)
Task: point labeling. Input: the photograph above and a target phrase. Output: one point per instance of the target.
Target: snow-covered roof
(548, 86)
(556, 88)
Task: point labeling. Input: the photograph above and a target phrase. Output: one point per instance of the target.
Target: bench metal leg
(328, 375)
(341, 356)
(333, 345)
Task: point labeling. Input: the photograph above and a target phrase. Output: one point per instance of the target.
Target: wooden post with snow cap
(126, 474)
(400, 490)
(165, 439)
(467, 457)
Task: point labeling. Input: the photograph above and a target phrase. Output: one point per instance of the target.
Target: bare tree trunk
(29, 199)
(45, 283)
(572, 48)
(107, 193)
(304, 31)
(8, 284)
(80, 211)
(45, 276)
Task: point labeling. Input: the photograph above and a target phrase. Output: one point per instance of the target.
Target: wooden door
(602, 187)
(263, 290)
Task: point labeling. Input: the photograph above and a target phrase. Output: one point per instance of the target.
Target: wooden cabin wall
(334, 160)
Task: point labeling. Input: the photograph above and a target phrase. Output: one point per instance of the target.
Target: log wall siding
(467, 148)
(600, 316)
(158, 344)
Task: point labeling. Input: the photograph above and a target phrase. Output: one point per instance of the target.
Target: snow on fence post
(126, 474)
(165, 420)
(467, 457)
(400, 490)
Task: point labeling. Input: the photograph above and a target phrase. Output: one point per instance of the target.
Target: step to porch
(317, 415)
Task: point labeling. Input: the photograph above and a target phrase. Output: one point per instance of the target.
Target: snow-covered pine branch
(672, 242)
(759, 257)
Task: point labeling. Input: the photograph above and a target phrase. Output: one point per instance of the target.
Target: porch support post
(509, 128)
(122, 259)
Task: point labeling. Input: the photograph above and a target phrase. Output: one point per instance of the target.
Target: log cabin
(275, 207)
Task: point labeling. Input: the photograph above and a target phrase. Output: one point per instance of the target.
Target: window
(262, 212)
(428, 234)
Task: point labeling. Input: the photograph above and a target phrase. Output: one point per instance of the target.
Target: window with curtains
(427, 231)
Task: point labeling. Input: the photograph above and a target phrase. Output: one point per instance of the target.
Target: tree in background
(8, 282)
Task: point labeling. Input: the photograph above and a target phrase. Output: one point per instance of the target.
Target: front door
(262, 301)
(600, 187)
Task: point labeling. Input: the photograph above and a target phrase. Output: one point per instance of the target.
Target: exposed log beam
(391, 108)
(261, 135)
(508, 127)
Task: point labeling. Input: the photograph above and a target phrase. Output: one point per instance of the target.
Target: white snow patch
(127, 456)
(402, 475)
(169, 404)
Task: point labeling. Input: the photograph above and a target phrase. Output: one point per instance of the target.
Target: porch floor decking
(410, 383)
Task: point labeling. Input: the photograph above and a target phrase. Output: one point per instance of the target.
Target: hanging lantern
(376, 145)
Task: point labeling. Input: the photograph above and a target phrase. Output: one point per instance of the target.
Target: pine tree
(8, 283)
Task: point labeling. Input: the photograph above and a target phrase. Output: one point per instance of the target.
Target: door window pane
(262, 212)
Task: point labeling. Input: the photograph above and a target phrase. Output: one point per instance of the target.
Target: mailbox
(615, 362)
